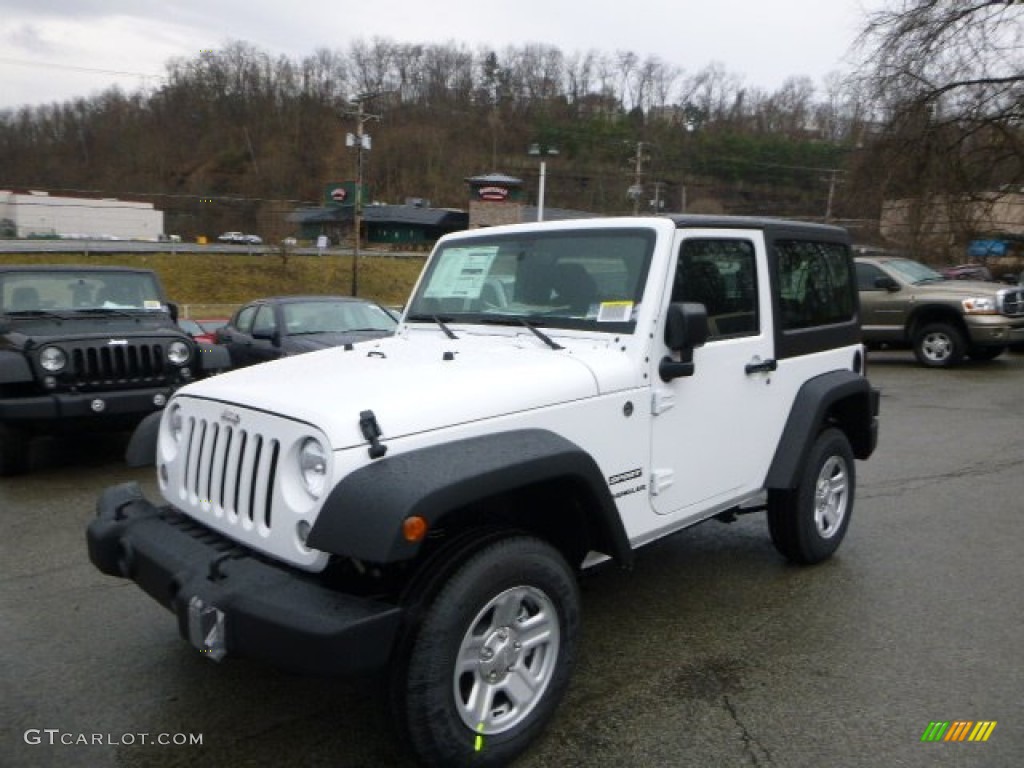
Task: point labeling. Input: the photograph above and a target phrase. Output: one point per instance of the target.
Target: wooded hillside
(235, 138)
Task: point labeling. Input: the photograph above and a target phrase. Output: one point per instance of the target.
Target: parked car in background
(203, 331)
(85, 348)
(967, 272)
(281, 326)
(906, 303)
(240, 238)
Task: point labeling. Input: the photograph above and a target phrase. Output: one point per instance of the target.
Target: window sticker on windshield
(615, 312)
(151, 304)
(461, 273)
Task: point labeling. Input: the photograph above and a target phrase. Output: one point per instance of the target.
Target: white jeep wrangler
(557, 394)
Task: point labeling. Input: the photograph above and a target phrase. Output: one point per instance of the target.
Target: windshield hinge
(661, 479)
(661, 401)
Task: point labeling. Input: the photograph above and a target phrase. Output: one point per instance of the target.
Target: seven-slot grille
(103, 365)
(231, 471)
(235, 470)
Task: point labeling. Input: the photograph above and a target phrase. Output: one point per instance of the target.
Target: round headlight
(53, 359)
(313, 466)
(178, 352)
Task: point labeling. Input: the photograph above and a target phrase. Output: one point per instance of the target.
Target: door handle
(761, 366)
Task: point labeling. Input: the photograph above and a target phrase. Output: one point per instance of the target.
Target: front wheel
(808, 523)
(492, 656)
(939, 345)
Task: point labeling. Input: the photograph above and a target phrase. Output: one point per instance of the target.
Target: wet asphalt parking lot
(712, 651)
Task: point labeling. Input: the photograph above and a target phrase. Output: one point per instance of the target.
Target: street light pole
(540, 190)
(537, 150)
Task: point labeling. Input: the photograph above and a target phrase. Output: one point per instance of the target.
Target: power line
(75, 68)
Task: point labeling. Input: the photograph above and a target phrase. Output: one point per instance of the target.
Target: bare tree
(949, 77)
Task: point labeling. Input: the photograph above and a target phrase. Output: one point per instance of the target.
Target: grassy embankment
(212, 284)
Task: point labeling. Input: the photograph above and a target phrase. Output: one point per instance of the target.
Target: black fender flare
(213, 357)
(141, 450)
(14, 367)
(363, 514)
(857, 410)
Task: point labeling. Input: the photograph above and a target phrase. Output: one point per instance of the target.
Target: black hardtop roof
(695, 220)
(71, 268)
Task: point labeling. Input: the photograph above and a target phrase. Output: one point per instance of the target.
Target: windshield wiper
(36, 313)
(433, 319)
(539, 333)
(110, 310)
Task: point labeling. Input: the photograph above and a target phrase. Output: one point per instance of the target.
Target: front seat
(574, 286)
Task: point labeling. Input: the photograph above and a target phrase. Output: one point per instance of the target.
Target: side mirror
(686, 328)
(886, 283)
(172, 308)
(267, 334)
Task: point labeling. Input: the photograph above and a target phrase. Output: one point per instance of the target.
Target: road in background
(86, 247)
(711, 652)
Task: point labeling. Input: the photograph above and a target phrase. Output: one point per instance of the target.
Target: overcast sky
(53, 50)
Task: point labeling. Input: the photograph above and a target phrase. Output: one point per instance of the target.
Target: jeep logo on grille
(117, 342)
(230, 417)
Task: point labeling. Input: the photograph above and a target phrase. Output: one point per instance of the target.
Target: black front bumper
(267, 612)
(79, 405)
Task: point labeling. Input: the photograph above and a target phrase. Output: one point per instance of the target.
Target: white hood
(411, 387)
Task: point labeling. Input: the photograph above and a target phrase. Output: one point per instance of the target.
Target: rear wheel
(492, 656)
(939, 345)
(808, 523)
(14, 451)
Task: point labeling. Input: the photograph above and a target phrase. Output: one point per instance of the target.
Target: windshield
(914, 272)
(53, 291)
(335, 317)
(589, 279)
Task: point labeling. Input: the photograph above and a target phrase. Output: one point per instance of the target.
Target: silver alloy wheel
(831, 496)
(506, 660)
(937, 347)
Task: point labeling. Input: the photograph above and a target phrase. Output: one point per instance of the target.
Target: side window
(264, 321)
(866, 276)
(721, 274)
(815, 284)
(243, 321)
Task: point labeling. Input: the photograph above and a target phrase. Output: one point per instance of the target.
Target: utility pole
(832, 181)
(361, 141)
(636, 190)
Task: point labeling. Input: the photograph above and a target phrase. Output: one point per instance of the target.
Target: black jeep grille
(1013, 303)
(106, 365)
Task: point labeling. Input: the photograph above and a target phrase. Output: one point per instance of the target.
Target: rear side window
(814, 294)
(814, 284)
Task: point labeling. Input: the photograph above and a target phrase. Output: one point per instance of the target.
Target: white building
(39, 214)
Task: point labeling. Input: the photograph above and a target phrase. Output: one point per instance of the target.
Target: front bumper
(230, 602)
(74, 405)
(995, 330)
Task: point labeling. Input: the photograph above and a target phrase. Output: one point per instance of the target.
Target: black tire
(14, 451)
(939, 345)
(808, 523)
(510, 611)
(983, 354)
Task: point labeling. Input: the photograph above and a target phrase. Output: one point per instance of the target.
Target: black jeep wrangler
(84, 348)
